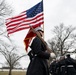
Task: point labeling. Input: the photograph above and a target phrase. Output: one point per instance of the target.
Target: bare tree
(5, 9)
(7, 50)
(64, 39)
(10, 55)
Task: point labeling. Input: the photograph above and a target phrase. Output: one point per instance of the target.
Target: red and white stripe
(22, 22)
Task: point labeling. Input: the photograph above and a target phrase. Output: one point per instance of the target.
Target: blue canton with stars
(38, 8)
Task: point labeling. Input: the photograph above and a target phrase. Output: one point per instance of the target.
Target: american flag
(31, 17)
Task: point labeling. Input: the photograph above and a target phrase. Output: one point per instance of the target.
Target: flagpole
(43, 19)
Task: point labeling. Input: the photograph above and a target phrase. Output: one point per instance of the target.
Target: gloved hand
(52, 55)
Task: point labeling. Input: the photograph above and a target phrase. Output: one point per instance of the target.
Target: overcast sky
(55, 12)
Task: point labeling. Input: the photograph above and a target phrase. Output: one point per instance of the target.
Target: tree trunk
(61, 50)
(10, 71)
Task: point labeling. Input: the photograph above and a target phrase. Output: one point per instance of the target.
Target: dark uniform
(61, 67)
(71, 65)
(38, 64)
(52, 68)
(67, 66)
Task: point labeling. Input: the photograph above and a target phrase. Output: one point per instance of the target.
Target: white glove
(52, 55)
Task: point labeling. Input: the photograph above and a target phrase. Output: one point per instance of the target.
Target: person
(52, 67)
(67, 66)
(71, 65)
(55, 67)
(61, 65)
(38, 64)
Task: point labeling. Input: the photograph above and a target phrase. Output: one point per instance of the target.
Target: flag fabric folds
(31, 17)
(28, 38)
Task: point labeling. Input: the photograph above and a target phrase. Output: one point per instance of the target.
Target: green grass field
(13, 73)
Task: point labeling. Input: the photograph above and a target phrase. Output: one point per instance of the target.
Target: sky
(55, 13)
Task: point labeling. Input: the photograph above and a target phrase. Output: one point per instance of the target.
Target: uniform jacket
(38, 65)
(52, 68)
(71, 66)
(67, 67)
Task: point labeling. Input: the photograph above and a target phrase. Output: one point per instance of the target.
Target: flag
(31, 17)
(29, 36)
(28, 39)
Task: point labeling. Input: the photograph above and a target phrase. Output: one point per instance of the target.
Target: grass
(13, 73)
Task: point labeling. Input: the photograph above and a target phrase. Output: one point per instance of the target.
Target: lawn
(13, 73)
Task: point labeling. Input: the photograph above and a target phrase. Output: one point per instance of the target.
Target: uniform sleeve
(37, 48)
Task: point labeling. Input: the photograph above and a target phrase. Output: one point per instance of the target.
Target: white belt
(68, 66)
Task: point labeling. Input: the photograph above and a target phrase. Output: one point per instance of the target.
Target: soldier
(67, 66)
(60, 65)
(38, 64)
(52, 67)
(71, 65)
